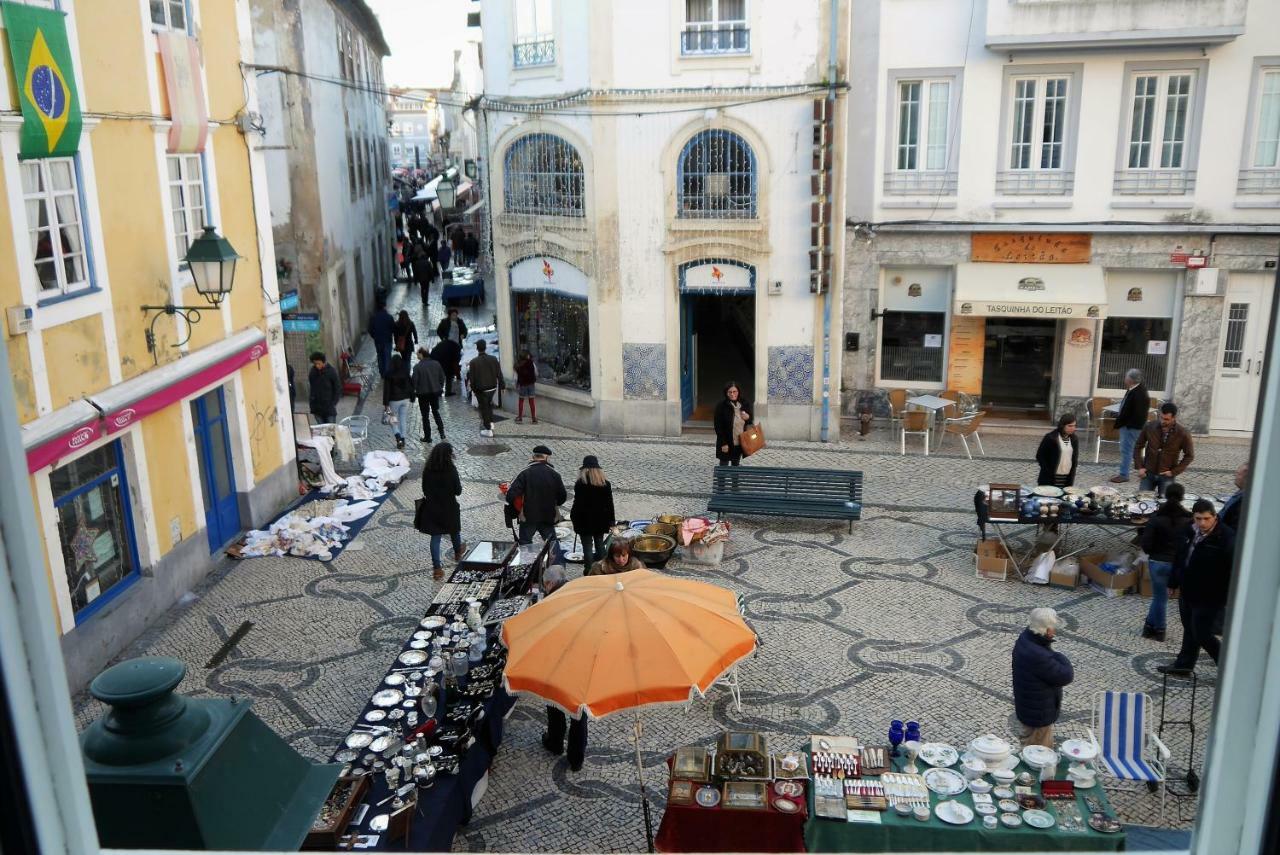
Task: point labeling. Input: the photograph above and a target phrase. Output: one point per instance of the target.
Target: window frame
(915, 182)
(167, 23)
(183, 182)
(1254, 180)
(536, 49)
(511, 204)
(752, 172)
(1156, 180)
(1037, 180)
(48, 196)
(718, 28)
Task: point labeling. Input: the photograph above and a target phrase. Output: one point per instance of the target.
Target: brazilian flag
(45, 81)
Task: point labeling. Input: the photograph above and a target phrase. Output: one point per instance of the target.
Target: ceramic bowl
(979, 785)
(1004, 777)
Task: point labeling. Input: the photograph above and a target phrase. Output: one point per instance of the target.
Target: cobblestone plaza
(856, 629)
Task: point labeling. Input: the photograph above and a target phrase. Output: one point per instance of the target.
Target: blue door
(217, 478)
(688, 352)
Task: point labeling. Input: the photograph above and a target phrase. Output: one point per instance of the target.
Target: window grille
(717, 177)
(543, 175)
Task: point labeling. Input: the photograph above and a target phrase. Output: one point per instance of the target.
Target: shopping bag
(420, 515)
(752, 439)
(1040, 570)
(389, 418)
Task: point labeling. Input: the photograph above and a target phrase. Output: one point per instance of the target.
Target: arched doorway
(717, 333)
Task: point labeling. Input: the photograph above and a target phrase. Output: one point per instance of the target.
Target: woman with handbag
(592, 514)
(438, 513)
(405, 336)
(397, 395)
(731, 415)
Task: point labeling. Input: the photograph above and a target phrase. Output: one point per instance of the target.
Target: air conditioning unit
(718, 184)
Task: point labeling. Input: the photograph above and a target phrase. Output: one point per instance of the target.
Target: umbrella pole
(644, 794)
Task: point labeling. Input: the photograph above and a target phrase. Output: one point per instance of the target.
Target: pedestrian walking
(438, 514)
(325, 389)
(557, 722)
(484, 376)
(1163, 537)
(592, 513)
(538, 491)
(428, 383)
(406, 336)
(1058, 454)
(471, 246)
(618, 560)
(382, 331)
(449, 355)
(1202, 576)
(526, 381)
(424, 272)
(732, 414)
(444, 256)
(1131, 419)
(1164, 450)
(452, 327)
(1231, 511)
(1039, 675)
(397, 395)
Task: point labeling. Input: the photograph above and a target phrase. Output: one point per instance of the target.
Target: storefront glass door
(1017, 366)
(1240, 355)
(217, 479)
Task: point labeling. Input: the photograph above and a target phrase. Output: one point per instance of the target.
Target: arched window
(543, 175)
(717, 177)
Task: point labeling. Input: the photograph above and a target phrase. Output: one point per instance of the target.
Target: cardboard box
(1107, 584)
(991, 560)
(1065, 575)
(1144, 585)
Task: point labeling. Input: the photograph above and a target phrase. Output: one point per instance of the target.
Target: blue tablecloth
(473, 290)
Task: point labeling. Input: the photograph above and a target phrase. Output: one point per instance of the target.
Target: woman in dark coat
(439, 513)
(592, 514)
(1054, 468)
(1163, 537)
(398, 394)
(731, 416)
(404, 336)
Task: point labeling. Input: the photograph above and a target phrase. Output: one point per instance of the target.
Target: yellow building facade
(153, 438)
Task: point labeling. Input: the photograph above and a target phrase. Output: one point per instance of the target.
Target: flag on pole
(43, 70)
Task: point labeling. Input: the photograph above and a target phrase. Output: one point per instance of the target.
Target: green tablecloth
(907, 834)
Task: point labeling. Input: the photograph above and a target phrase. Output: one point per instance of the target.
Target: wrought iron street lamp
(446, 193)
(212, 261)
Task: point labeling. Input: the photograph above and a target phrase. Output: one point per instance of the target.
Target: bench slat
(775, 491)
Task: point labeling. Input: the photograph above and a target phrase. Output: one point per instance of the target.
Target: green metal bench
(827, 494)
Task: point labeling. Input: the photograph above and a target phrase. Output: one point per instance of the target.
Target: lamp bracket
(190, 314)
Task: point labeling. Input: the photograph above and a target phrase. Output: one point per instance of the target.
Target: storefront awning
(60, 433)
(1030, 290)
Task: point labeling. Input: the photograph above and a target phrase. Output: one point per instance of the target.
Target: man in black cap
(540, 489)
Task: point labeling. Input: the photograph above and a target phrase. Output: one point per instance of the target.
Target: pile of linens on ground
(322, 527)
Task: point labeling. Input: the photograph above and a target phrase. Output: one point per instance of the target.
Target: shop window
(717, 177)
(1141, 343)
(543, 175)
(911, 348)
(51, 191)
(553, 328)
(91, 500)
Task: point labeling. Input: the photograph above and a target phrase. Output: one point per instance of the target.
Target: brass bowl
(665, 529)
(671, 519)
(653, 549)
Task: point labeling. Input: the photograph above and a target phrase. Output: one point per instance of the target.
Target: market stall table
(896, 833)
(694, 828)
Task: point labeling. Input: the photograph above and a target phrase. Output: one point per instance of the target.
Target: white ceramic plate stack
(954, 812)
(992, 750)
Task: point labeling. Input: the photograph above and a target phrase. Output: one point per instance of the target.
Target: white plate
(387, 698)
(944, 782)
(1038, 755)
(374, 716)
(419, 644)
(1079, 749)
(985, 809)
(1038, 818)
(358, 740)
(939, 754)
(1003, 792)
(412, 657)
(1010, 820)
(564, 533)
(433, 621)
(394, 679)
(1009, 805)
(954, 813)
(1048, 490)
(422, 635)
(380, 744)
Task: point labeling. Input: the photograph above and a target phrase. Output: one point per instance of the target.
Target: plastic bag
(1041, 568)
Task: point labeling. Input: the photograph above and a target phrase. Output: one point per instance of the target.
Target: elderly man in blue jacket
(1039, 673)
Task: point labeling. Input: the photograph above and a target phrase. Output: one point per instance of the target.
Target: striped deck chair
(1122, 721)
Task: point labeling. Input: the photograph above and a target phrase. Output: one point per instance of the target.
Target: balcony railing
(715, 38)
(908, 183)
(1155, 182)
(533, 53)
(1258, 182)
(1031, 182)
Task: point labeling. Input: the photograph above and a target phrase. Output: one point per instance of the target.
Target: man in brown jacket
(1163, 451)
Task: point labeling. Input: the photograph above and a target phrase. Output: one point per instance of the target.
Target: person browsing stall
(1202, 573)
(618, 559)
(554, 738)
(1164, 450)
(542, 491)
(1130, 420)
(592, 513)
(1039, 675)
(1058, 454)
(1163, 537)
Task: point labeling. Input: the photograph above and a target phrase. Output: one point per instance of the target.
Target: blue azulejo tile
(790, 374)
(644, 371)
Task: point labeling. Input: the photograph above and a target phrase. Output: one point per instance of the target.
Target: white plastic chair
(359, 428)
(1123, 720)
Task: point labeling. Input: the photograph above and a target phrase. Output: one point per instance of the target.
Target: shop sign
(1179, 256)
(965, 358)
(1081, 337)
(717, 278)
(288, 300)
(933, 340)
(1029, 310)
(301, 322)
(545, 273)
(1157, 348)
(1031, 248)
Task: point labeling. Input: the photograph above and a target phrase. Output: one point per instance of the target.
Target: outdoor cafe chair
(897, 406)
(1130, 754)
(964, 427)
(916, 423)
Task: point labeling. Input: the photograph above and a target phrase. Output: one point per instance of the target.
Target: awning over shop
(60, 433)
(1030, 290)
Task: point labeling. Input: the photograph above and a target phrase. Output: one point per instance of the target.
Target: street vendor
(618, 559)
(1058, 454)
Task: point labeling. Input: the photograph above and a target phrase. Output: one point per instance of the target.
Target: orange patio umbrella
(603, 644)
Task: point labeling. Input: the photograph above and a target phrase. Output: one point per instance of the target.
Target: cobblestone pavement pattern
(857, 629)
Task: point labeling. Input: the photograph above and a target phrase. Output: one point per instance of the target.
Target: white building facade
(412, 124)
(661, 206)
(1051, 193)
(324, 122)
